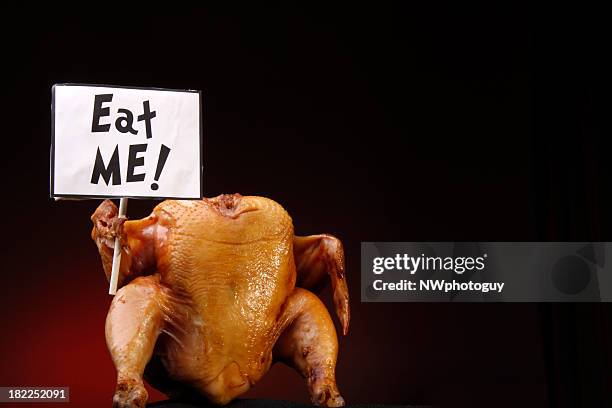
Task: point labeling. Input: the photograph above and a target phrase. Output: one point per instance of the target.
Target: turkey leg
(309, 344)
(134, 321)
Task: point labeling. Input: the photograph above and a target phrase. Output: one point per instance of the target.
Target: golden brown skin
(208, 299)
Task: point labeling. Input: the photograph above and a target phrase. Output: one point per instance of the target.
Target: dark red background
(449, 123)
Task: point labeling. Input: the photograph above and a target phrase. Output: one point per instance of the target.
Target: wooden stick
(117, 252)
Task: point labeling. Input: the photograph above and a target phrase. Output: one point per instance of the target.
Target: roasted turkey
(212, 293)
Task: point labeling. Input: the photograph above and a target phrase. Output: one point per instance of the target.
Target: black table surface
(265, 403)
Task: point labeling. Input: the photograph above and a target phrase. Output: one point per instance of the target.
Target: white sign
(125, 142)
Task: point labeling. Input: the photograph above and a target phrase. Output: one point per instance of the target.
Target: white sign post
(120, 142)
(112, 289)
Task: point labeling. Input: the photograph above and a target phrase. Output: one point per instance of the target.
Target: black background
(386, 123)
